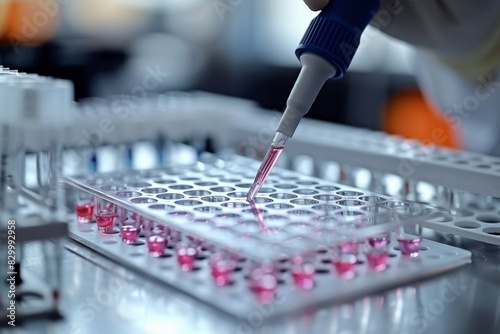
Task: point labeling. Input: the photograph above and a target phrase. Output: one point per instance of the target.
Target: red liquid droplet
(156, 245)
(410, 247)
(105, 221)
(129, 234)
(84, 212)
(55, 295)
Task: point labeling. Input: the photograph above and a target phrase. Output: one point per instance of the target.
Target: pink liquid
(260, 216)
(175, 236)
(105, 221)
(263, 284)
(84, 212)
(186, 255)
(267, 165)
(129, 234)
(156, 245)
(303, 275)
(377, 260)
(109, 206)
(165, 228)
(195, 241)
(378, 242)
(410, 247)
(221, 269)
(350, 247)
(135, 217)
(345, 266)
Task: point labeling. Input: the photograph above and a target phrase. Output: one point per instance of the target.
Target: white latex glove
(458, 51)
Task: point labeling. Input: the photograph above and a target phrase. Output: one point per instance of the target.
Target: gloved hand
(462, 33)
(458, 60)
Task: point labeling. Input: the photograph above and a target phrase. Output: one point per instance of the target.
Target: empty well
(467, 224)
(489, 219)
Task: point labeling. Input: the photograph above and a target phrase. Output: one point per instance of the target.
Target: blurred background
(231, 47)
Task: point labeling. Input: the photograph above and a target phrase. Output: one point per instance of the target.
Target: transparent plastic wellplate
(208, 202)
(313, 233)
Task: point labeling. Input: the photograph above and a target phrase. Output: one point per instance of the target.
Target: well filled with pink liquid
(129, 234)
(221, 269)
(377, 259)
(345, 266)
(303, 275)
(186, 256)
(105, 221)
(410, 247)
(156, 245)
(84, 212)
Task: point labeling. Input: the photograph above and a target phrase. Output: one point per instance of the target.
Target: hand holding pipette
(325, 52)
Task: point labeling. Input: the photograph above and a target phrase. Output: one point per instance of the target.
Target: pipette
(325, 51)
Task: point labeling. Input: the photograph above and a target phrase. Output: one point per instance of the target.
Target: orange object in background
(28, 22)
(409, 115)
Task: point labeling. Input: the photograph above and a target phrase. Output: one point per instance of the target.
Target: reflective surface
(106, 298)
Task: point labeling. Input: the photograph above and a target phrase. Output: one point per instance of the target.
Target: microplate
(293, 216)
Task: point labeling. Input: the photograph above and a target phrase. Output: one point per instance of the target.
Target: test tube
(53, 254)
(52, 102)
(39, 109)
(12, 147)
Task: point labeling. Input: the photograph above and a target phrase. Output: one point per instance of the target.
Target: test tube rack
(27, 296)
(210, 198)
(26, 219)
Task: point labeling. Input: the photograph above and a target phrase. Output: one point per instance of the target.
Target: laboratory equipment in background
(36, 110)
(357, 194)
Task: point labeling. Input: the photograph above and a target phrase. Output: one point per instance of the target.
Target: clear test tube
(12, 147)
(12, 160)
(52, 254)
(39, 107)
(45, 106)
(409, 190)
(12, 143)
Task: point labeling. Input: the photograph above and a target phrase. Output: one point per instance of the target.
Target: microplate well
(207, 202)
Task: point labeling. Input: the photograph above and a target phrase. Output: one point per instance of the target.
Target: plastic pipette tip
(265, 168)
(253, 191)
